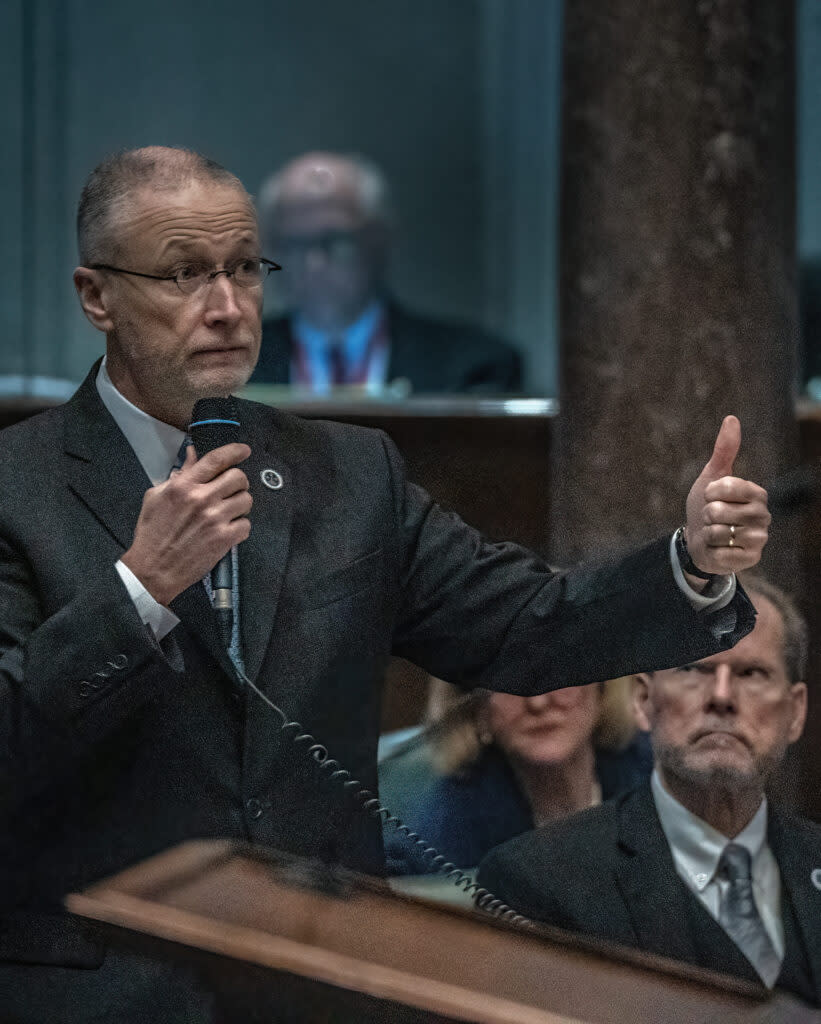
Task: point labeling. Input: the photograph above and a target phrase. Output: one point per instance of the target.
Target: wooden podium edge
(239, 942)
(132, 900)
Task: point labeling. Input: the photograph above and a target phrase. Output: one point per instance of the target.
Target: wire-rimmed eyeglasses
(247, 273)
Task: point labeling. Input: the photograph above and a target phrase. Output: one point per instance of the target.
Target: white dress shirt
(697, 847)
(157, 444)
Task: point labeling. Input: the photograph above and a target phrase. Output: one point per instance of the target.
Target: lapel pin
(815, 878)
(271, 479)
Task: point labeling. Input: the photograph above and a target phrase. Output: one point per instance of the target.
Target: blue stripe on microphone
(202, 423)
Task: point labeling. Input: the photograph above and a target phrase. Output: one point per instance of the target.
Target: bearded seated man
(696, 864)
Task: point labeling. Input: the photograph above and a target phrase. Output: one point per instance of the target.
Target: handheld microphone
(214, 423)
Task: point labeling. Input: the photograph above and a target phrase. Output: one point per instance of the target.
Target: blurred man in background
(328, 220)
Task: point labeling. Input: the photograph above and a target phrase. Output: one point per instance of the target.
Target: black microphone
(214, 423)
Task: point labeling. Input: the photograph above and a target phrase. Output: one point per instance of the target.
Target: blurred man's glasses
(249, 273)
(335, 246)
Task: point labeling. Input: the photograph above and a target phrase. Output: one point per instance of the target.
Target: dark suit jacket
(436, 356)
(609, 873)
(114, 747)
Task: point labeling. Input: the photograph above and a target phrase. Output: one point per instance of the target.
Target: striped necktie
(739, 917)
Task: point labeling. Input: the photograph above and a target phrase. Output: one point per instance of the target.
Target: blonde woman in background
(506, 764)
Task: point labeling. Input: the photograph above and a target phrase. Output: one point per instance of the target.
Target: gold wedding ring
(732, 537)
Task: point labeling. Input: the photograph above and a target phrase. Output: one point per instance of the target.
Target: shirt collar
(156, 444)
(354, 337)
(696, 845)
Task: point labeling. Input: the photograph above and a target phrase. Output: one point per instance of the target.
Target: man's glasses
(336, 246)
(194, 276)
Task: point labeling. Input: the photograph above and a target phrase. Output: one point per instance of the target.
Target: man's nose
(721, 692)
(537, 702)
(221, 301)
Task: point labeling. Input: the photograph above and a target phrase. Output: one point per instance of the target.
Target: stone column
(677, 286)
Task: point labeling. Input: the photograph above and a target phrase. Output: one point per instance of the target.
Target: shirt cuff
(716, 595)
(157, 617)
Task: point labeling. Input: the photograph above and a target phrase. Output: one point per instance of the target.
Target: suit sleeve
(496, 615)
(511, 873)
(68, 679)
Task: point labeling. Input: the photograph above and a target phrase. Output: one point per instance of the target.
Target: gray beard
(725, 778)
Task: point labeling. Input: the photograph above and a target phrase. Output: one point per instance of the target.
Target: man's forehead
(307, 214)
(193, 208)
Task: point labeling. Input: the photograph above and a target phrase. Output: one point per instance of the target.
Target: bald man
(327, 219)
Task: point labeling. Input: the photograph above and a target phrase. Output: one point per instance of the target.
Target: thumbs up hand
(727, 518)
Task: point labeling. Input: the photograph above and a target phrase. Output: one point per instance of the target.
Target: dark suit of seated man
(327, 219)
(696, 864)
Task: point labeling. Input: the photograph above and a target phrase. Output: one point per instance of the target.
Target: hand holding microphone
(189, 523)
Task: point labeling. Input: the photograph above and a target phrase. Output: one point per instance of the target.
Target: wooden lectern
(275, 938)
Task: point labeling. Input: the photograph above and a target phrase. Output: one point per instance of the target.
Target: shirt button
(254, 808)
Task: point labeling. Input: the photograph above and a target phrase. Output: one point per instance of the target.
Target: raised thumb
(725, 450)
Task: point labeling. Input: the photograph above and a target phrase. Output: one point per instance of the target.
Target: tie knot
(736, 863)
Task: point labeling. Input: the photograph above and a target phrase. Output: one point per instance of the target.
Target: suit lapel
(102, 469)
(668, 917)
(654, 894)
(402, 344)
(797, 851)
(106, 475)
(263, 557)
(275, 355)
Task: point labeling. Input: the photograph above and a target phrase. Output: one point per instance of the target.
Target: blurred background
(458, 102)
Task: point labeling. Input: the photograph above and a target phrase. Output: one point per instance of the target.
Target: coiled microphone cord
(370, 804)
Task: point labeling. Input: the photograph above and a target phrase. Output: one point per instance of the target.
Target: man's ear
(89, 285)
(798, 697)
(641, 701)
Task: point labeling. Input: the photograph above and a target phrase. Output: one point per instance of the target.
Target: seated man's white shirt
(697, 847)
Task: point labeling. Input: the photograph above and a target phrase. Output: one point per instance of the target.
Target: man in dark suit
(125, 725)
(327, 219)
(696, 865)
